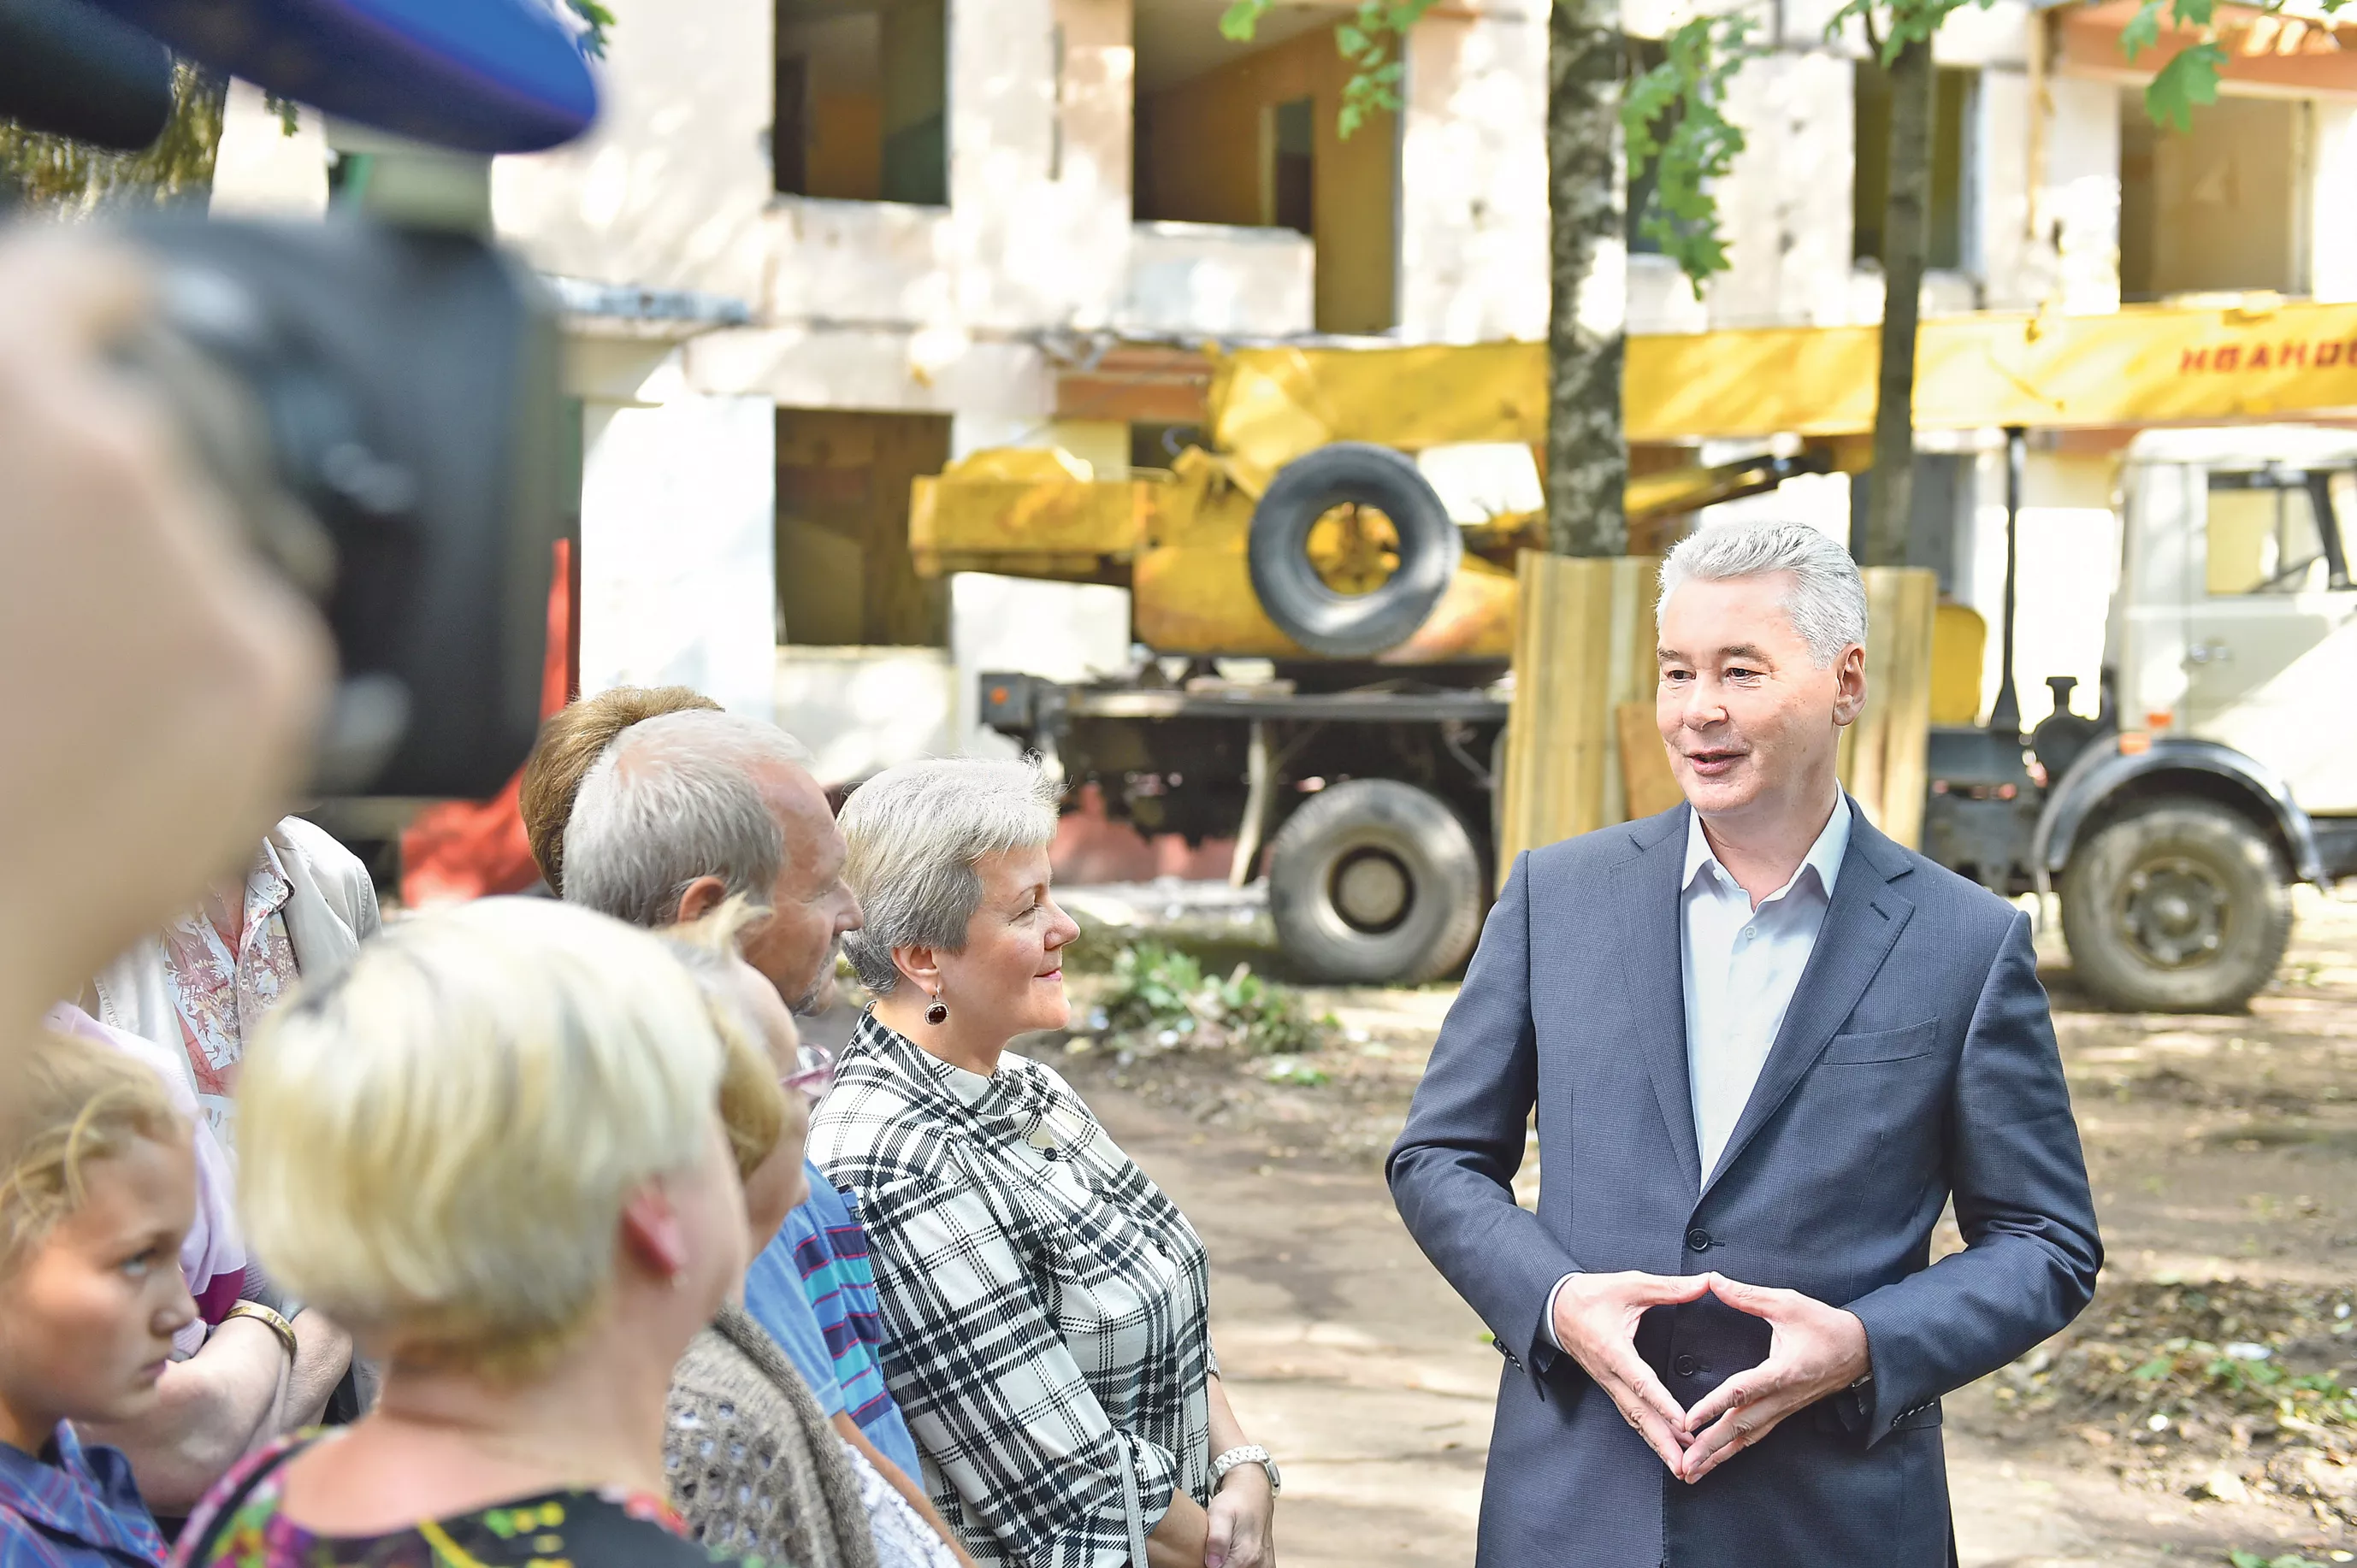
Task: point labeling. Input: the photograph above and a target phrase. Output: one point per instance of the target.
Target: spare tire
(1373, 882)
(1350, 626)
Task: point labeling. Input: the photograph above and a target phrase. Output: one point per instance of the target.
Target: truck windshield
(2277, 530)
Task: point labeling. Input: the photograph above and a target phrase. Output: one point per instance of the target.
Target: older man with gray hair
(684, 810)
(679, 812)
(1766, 1046)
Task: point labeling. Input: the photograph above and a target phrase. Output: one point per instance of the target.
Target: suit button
(1698, 1239)
(1684, 1366)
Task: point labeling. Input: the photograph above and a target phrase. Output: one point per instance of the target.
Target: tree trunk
(66, 178)
(1588, 457)
(1906, 237)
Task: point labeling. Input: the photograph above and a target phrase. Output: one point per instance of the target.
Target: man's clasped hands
(1813, 1350)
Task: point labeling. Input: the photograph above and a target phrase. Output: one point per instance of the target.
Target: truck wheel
(1305, 606)
(2181, 908)
(1375, 882)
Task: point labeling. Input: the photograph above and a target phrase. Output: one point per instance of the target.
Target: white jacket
(330, 910)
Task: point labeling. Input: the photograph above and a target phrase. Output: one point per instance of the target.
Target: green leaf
(1675, 117)
(1350, 39)
(2143, 30)
(2158, 1368)
(2189, 79)
(1241, 20)
(600, 19)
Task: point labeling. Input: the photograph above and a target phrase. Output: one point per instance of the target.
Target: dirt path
(2221, 1150)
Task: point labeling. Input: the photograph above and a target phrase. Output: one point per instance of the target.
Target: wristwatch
(1248, 1453)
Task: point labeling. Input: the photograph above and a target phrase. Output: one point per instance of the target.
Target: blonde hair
(76, 1101)
(752, 1101)
(435, 1146)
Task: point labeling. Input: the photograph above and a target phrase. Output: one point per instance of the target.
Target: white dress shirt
(1741, 966)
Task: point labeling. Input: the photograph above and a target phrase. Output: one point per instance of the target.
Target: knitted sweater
(755, 1467)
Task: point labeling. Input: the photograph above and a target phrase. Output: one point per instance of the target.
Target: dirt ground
(2223, 1152)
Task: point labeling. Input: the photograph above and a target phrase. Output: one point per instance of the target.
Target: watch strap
(1246, 1454)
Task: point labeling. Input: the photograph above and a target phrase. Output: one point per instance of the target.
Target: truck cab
(2220, 768)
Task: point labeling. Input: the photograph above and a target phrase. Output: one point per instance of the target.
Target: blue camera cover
(486, 76)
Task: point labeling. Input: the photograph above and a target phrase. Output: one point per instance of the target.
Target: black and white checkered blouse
(1047, 1306)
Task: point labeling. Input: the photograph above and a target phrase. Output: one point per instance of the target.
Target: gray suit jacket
(1917, 1061)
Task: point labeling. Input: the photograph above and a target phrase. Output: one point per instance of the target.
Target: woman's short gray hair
(915, 832)
(1828, 604)
(675, 798)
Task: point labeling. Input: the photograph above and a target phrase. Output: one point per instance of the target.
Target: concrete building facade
(866, 237)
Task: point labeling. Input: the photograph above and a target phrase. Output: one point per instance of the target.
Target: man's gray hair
(1828, 604)
(673, 798)
(915, 832)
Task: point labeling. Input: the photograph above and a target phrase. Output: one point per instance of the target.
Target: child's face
(87, 1316)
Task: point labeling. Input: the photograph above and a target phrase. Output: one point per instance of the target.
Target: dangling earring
(939, 1012)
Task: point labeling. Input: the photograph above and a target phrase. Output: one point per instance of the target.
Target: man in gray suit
(1766, 1046)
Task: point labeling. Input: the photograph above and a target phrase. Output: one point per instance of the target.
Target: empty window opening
(1952, 174)
(844, 573)
(1247, 135)
(2217, 211)
(860, 99)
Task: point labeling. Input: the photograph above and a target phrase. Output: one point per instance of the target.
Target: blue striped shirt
(821, 1256)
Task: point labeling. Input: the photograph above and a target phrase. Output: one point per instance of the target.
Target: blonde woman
(492, 1148)
(1048, 1306)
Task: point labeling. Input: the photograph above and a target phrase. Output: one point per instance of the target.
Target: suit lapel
(1861, 925)
(1645, 886)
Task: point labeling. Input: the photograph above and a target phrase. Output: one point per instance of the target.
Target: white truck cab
(2224, 767)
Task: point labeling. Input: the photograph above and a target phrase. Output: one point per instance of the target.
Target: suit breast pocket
(1907, 1044)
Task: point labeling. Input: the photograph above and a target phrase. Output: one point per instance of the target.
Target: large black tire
(2181, 908)
(1350, 626)
(1375, 882)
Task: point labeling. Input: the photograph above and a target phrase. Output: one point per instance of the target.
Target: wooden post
(1884, 755)
(1583, 647)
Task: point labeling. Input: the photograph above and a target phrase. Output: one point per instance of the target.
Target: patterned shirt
(1045, 1306)
(78, 1509)
(610, 1527)
(228, 968)
(825, 1247)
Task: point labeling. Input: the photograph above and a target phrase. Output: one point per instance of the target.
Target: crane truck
(1361, 758)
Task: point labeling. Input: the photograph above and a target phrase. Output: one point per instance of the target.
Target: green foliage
(2190, 78)
(1892, 25)
(599, 19)
(1299, 1073)
(2289, 1559)
(1160, 999)
(1674, 113)
(1368, 39)
(2183, 1373)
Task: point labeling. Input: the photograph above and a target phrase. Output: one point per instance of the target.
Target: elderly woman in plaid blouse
(1049, 1305)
